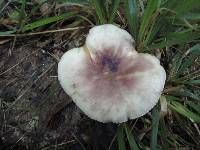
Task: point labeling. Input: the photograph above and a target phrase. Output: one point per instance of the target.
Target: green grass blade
(187, 128)
(186, 5)
(130, 137)
(154, 30)
(163, 134)
(197, 82)
(175, 65)
(5, 33)
(192, 76)
(189, 82)
(138, 141)
(155, 123)
(73, 1)
(152, 6)
(100, 10)
(186, 93)
(131, 16)
(114, 8)
(194, 53)
(190, 16)
(194, 106)
(22, 15)
(49, 20)
(171, 98)
(181, 64)
(176, 38)
(183, 110)
(120, 138)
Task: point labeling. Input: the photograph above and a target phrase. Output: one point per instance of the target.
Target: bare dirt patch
(35, 113)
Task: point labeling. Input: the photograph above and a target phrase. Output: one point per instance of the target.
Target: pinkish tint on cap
(108, 80)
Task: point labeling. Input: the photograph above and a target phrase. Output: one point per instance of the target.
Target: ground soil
(35, 113)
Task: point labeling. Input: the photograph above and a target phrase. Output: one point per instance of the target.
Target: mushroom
(108, 79)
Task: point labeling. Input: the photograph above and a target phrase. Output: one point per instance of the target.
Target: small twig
(17, 63)
(61, 144)
(121, 18)
(76, 138)
(43, 32)
(19, 97)
(13, 45)
(21, 136)
(53, 76)
(34, 82)
(90, 22)
(172, 89)
(26, 83)
(4, 7)
(133, 125)
(111, 143)
(18, 140)
(53, 56)
(197, 128)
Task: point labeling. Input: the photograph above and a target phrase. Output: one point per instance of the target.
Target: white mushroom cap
(115, 84)
(109, 36)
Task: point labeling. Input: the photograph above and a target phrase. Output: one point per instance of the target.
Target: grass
(169, 26)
